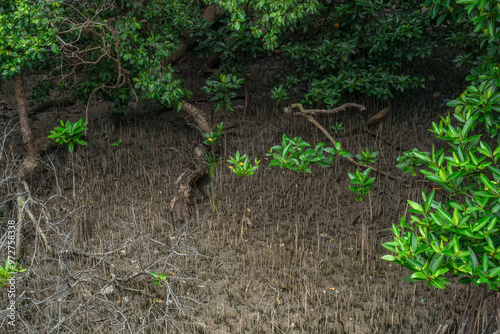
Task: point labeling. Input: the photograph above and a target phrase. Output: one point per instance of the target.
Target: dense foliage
(127, 50)
(460, 235)
(120, 49)
(28, 35)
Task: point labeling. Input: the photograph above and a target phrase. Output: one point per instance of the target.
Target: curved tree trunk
(30, 154)
(32, 150)
(184, 183)
(180, 202)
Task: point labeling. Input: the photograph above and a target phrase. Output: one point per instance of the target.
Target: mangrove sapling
(9, 271)
(71, 134)
(361, 183)
(297, 155)
(222, 91)
(338, 127)
(360, 180)
(367, 158)
(243, 168)
(212, 160)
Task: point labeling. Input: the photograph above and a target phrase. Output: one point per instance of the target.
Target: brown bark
(180, 202)
(198, 115)
(381, 114)
(211, 66)
(187, 42)
(32, 147)
(30, 155)
(62, 102)
(181, 199)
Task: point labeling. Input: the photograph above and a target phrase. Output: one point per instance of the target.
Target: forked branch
(308, 114)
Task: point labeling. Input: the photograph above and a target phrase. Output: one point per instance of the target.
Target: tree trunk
(32, 149)
(180, 202)
(181, 199)
(187, 42)
(30, 155)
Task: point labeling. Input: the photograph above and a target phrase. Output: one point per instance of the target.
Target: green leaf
(417, 266)
(438, 283)
(436, 262)
(55, 48)
(388, 258)
(485, 262)
(465, 280)
(441, 19)
(416, 206)
(479, 224)
(429, 200)
(414, 242)
(473, 258)
(492, 224)
(467, 126)
(486, 148)
(440, 271)
(494, 272)
(487, 183)
(419, 276)
(455, 218)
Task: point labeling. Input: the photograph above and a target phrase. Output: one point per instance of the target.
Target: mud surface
(281, 253)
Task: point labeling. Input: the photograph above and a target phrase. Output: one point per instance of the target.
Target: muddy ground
(304, 262)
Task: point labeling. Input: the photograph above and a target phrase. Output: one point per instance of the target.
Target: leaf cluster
(361, 183)
(212, 138)
(27, 34)
(459, 236)
(242, 166)
(222, 91)
(8, 271)
(70, 133)
(296, 154)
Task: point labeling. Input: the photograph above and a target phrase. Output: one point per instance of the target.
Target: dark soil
(307, 262)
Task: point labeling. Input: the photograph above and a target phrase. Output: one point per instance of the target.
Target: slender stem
(74, 181)
(477, 302)
(451, 309)
(213, 190)
(245, 194)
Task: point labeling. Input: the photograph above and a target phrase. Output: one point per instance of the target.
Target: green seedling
(337, 127)
(222, 91)
(367, 158)
(212, 138)
(296, 154)
(242, 166)
(9, 271)
(159, 279)
(212, 160)
(361, 183)
(70, 133)
(279, 94)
